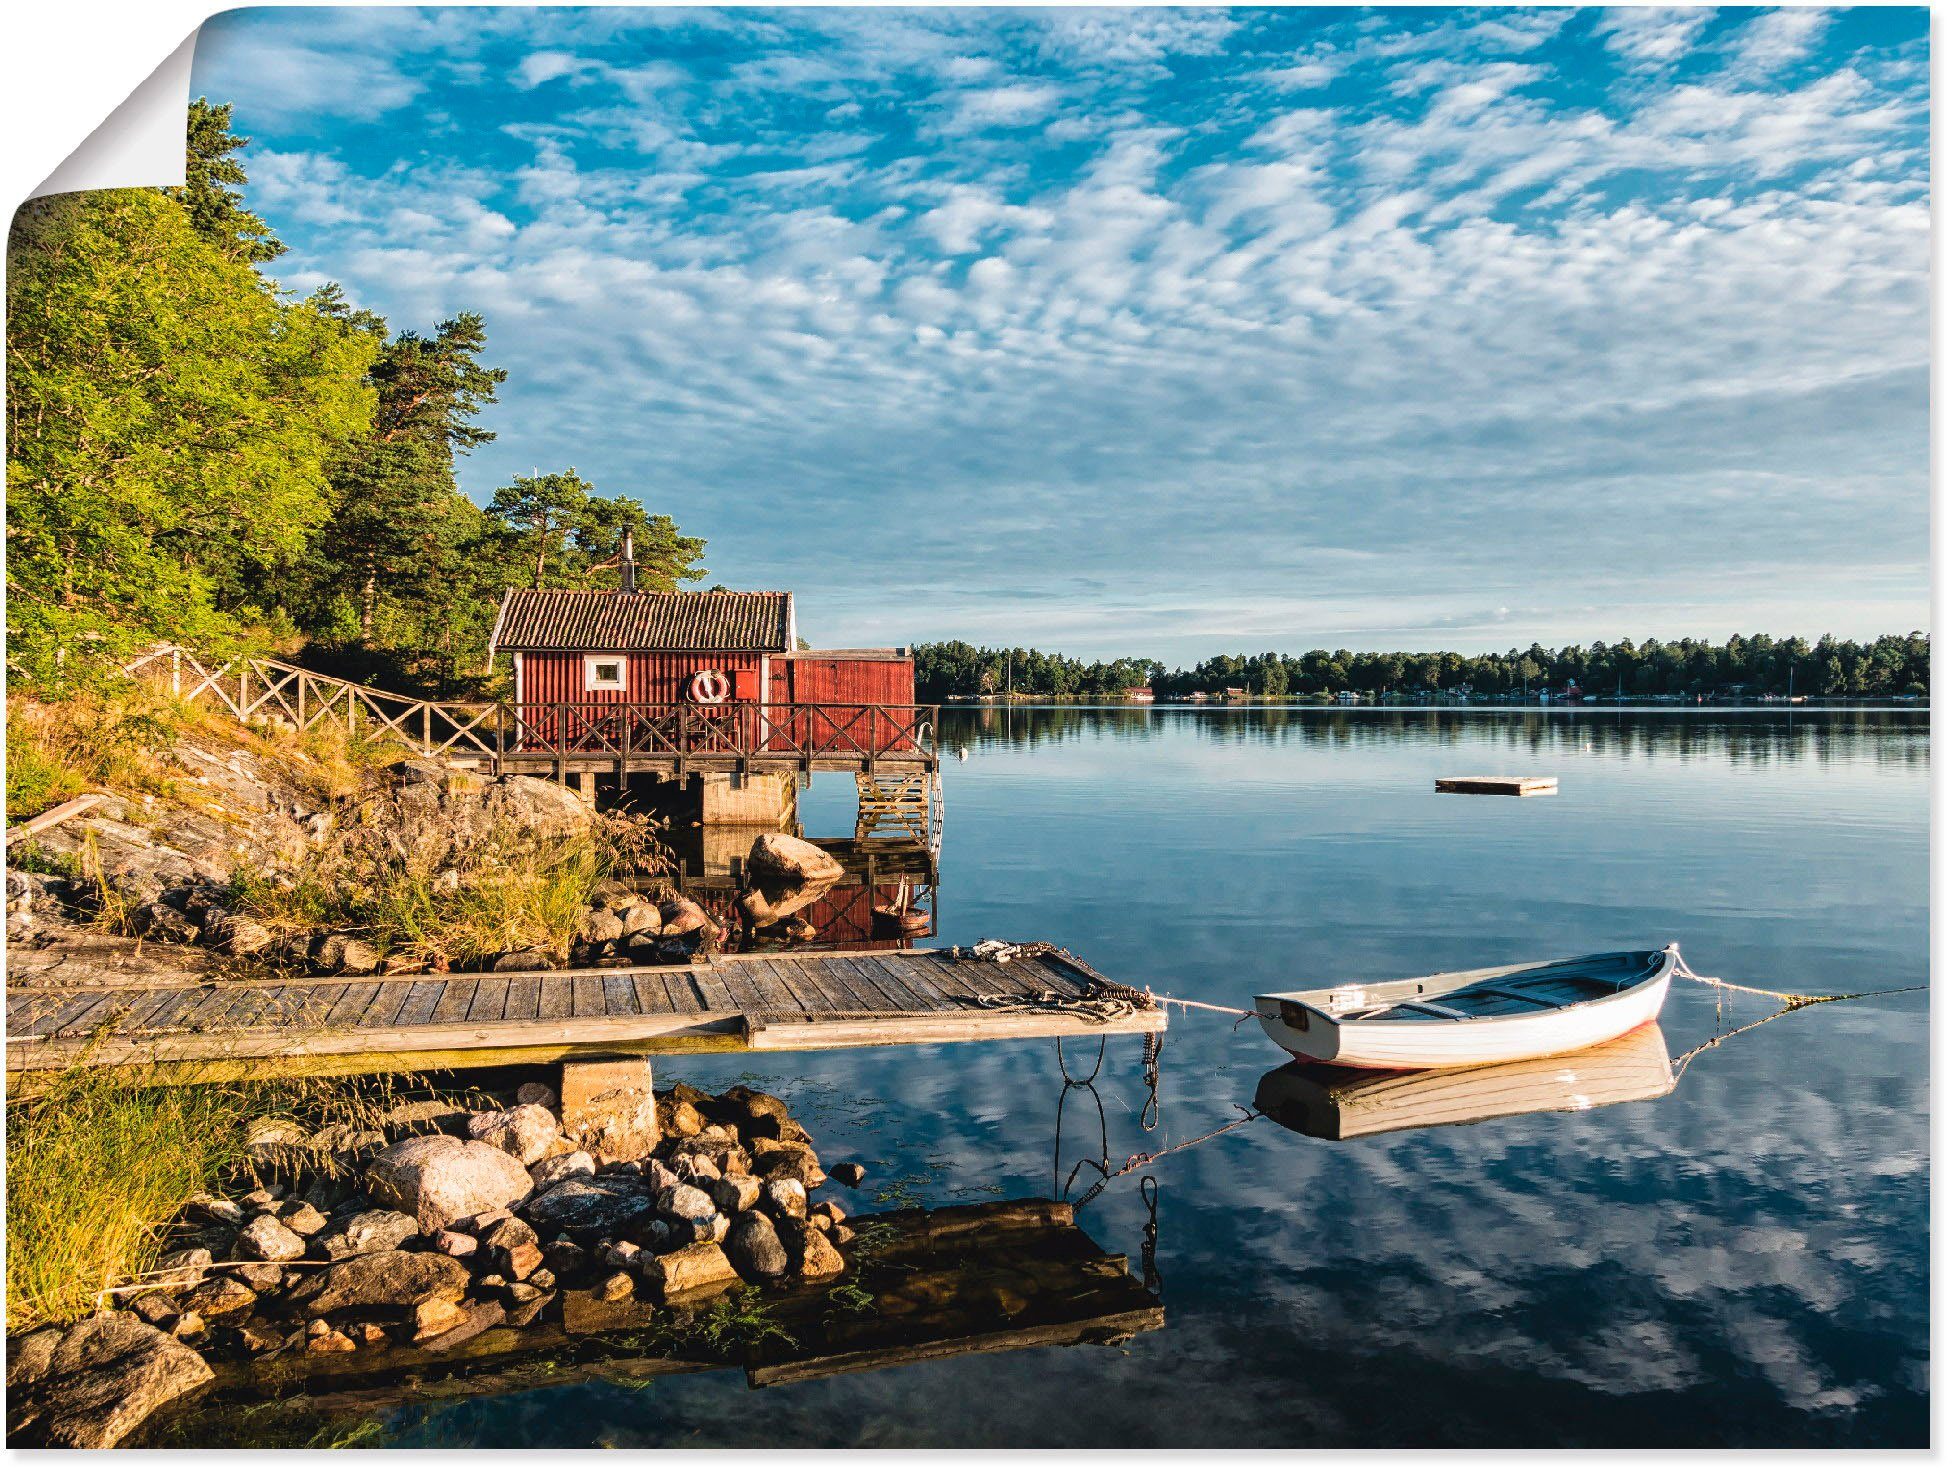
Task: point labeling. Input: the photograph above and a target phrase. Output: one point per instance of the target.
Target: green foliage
(1886, 667)
(216, 210)
(36, 779)
(193, 458)
(169, 428)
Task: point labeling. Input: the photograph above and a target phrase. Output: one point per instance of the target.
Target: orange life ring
(710, 685)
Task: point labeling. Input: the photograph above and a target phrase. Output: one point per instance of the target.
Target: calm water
(1741, 1262)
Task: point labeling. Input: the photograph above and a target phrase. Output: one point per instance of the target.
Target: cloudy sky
(1166, 331)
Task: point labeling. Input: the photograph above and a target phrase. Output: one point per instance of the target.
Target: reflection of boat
(1339, 1102)
(1474, 1017)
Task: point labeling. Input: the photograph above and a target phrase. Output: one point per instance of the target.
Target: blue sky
(1166, 331)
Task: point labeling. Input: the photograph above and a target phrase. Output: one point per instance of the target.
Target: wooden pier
(115, 1003)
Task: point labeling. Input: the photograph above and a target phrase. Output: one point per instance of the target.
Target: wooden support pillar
(608, 1107)
(586, 786)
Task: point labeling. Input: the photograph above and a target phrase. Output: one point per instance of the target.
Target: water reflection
(1337, 1103)
(921, 1285)
(886, 898)
(1762, 735)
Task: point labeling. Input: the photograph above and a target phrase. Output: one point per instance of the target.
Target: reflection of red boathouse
(671, 682)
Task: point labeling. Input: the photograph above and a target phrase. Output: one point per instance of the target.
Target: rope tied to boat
(1101, 1000)
(1783, 997)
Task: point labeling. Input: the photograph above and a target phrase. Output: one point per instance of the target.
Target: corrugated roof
(641, 621)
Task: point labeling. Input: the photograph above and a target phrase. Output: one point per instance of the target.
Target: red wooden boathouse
(701, 674)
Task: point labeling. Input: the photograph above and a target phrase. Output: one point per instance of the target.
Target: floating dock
(1498, 785)
(113, 1003)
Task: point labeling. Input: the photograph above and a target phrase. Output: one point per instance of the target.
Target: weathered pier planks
(200, 1025)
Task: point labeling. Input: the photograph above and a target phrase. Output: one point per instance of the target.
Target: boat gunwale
(1659, 970)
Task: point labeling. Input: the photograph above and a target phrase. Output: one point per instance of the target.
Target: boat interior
(1515, 990)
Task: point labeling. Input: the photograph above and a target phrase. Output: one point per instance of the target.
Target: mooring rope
(1783, 997)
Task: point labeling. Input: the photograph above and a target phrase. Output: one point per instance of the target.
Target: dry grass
(100, 1162)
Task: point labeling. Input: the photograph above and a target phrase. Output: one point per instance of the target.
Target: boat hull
(1399, 1045)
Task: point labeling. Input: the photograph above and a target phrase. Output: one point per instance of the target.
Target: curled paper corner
(140, 144)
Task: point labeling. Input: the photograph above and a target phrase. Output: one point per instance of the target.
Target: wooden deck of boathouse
(119, 1007)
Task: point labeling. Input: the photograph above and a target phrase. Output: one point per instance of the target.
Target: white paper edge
(140, 145)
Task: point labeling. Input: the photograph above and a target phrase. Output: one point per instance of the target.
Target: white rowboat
(1476, 1017)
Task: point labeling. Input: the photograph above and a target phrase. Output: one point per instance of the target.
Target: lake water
(1743, 1261)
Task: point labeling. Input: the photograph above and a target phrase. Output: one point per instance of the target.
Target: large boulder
(392, 1280)
(440, 1178)
(93, 1384)
(687, 1272)
(781, 863)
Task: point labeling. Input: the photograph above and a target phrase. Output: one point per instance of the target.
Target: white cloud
(1650, 35)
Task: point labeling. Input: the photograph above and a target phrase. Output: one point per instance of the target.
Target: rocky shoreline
(438, 1224)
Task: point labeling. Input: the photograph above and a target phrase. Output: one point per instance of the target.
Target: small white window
(603, 672)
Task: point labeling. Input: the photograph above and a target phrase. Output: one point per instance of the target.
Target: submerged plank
(1498, 784)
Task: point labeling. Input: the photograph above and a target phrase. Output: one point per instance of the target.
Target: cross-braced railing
(643, 734)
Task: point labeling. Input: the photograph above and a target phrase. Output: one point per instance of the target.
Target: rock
(215, 1210)
(220, 1298)
(842, 1234)
(302, 1218)
(435, 1317)
(683, 1201)
(525, 1132)
(753, 1245)
(258, 1339)
(428, 1115)
(441, 1178)
(330, 1342)
(184, 1267)
(260, 1200)
(368, 1232)
(524, 1313)
(566, 1259)
(812, 1252)
(848, 1174)
(263, 1278)
(475, 1320)
(393, 1280)
(590, 1208)
(543, 1279)
(455, 1244)
(367, 1333)
(784, 1197)
(561, 1168)
(830, 1213)
(511, 1248)
(237, 935)
(160, 921)
(264, 1237)
(641, 920)
(341, 953)
(695, 1167)
(681, 916)
(733, 1195)
(599, 926)
(797, 1165)
(779, 862)
(678, 1118)
(688, 1271)
(154, 1308)
(534, 1093)
(621, 1254)
(615, 1287)
(524, 960)
(610, 1110)
(95, 1383)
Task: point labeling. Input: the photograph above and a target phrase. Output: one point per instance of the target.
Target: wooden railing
(673, 733)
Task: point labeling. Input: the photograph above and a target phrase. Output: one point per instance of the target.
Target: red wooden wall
(812, 678)
(650, 677)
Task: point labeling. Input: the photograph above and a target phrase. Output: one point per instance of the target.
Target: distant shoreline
(1514, 705)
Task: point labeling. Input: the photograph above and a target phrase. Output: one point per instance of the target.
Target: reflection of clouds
(1744, 1261)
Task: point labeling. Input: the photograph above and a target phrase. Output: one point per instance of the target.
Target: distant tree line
(195, 456)
(1829, 667)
